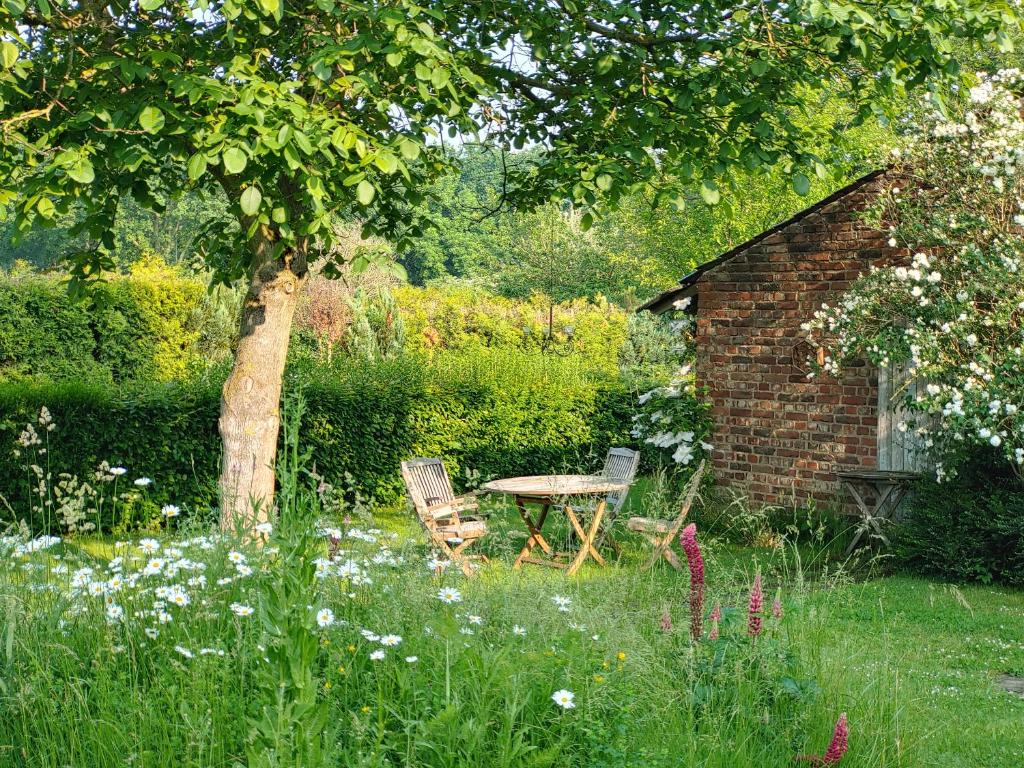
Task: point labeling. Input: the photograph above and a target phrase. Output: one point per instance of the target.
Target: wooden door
(898, 450)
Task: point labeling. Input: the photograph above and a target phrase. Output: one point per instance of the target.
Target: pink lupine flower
(836, 748)
(756, 605)
(688, 540)
(777, 608)
(666, 621)
(715, 617)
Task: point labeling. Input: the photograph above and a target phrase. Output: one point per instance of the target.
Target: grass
(911, 661)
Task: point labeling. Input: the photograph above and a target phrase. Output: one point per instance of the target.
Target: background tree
(303, 112)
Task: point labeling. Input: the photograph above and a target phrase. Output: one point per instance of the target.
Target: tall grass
(347, 648)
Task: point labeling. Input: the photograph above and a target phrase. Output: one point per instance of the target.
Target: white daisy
(564, 698)
(449, 595)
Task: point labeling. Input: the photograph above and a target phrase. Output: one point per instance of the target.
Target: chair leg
(673, 559)
(455, 553)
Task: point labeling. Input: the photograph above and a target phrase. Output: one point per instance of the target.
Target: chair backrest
(427, 482)
(621, 465)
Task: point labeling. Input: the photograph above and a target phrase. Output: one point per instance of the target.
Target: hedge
(143, 325)
(499, 413)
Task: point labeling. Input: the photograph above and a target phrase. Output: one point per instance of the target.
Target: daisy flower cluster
(947, 315)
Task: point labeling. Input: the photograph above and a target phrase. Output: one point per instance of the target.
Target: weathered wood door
(900, 448)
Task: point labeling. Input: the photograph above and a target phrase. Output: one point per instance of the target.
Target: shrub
(970, 529)
(463, 317)
(143, 325)
(497, 412)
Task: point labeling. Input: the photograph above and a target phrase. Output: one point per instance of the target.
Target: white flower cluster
(952, 317)
(669, 415)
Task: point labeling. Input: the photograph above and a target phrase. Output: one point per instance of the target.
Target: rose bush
(952, 309)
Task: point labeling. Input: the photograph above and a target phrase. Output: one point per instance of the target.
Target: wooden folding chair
(620, 465)
(661, 533)
(441, 512)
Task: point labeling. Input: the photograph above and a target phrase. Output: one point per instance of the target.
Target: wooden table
(889, 488)
(545, 490)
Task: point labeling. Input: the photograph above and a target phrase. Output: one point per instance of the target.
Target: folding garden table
(544, 491)
(888, 487)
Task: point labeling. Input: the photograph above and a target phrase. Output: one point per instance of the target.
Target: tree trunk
(250, 402)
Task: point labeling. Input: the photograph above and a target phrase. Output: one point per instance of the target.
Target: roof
(663, 301)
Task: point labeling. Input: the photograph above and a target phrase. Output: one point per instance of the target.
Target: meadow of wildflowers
(340, 640)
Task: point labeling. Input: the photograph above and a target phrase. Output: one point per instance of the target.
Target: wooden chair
(661, 533)
(621, 464)
(440, 511)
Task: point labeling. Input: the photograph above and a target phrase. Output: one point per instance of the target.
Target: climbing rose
(754, 620)
(836, 748)
(688, 540)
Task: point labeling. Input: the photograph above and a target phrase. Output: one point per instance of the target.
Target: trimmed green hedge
(497, 412)
(143, 326)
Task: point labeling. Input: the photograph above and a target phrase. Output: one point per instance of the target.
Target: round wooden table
(545, 490)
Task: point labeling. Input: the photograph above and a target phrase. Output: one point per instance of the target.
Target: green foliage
(673, 95)
(143, 325)
(970, 528)
(464, 318)
(377, 330)
(649, 355)
(288, 731)
(499, 412)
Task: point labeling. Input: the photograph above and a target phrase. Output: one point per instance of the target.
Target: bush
(144, 325)
(462, 317)
(499, 413)
(969, 529)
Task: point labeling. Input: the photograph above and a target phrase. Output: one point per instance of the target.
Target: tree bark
(251, 398)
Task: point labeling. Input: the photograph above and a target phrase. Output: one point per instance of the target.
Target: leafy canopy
(302, 112)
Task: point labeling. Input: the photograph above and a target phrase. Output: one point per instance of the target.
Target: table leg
(587, 548)
(536, 537)
(865, 514)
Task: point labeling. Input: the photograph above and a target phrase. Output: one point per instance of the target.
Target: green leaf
(758, 67)
(365, 192)
(386, 162)
(8, 54)
(82, 171)
(801, 184)
(234, 160)
(196, 166)
(46, 208)
(150, 5)
(410, 149)
(604, 182)
(586, 221)
(250, 201)
(151, 119)
(709, 191)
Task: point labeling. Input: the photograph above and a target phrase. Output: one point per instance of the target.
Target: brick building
(779, 437)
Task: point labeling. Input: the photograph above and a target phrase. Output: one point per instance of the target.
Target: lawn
(409, 672)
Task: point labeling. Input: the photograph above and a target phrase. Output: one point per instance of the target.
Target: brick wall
(778, 436)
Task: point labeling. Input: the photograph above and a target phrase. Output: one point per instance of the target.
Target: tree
(303, 112)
